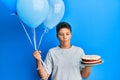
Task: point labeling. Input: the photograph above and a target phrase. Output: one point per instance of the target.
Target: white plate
(92, 64)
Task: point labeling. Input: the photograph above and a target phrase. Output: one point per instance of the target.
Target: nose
(64, 36)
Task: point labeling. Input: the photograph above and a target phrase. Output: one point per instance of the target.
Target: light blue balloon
(11, 4)
(57, 9)
(32, 12)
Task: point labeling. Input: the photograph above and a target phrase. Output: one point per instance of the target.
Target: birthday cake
(91, 59)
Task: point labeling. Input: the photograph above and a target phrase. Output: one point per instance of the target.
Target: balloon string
(44, 65)
(41, 38)
(34, 38)
(26, 33)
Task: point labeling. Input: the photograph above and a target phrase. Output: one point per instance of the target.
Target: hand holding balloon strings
(35, 46)
(32, 13)
(34, 38)
(35, 12)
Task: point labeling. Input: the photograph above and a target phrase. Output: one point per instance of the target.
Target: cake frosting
(91, 59)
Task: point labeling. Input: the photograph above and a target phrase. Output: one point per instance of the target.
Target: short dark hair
(63, 25)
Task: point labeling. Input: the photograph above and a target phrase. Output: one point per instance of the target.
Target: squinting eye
(67, 34)
(60, 34)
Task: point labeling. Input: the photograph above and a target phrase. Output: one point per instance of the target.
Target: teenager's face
(64, 35)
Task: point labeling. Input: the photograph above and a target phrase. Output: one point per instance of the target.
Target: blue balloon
(32, 12)
(11, 4)
(56, 13)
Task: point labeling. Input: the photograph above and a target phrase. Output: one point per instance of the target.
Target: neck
(65, 46)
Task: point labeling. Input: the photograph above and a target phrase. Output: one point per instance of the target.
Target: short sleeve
(82, 53)
(48, 62)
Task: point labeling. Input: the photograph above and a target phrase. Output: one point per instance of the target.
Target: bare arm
(41, 71)
(85, 72)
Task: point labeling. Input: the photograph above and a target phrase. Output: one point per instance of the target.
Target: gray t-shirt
(64, 64)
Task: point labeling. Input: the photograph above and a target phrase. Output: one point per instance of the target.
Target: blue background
(95, 27)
